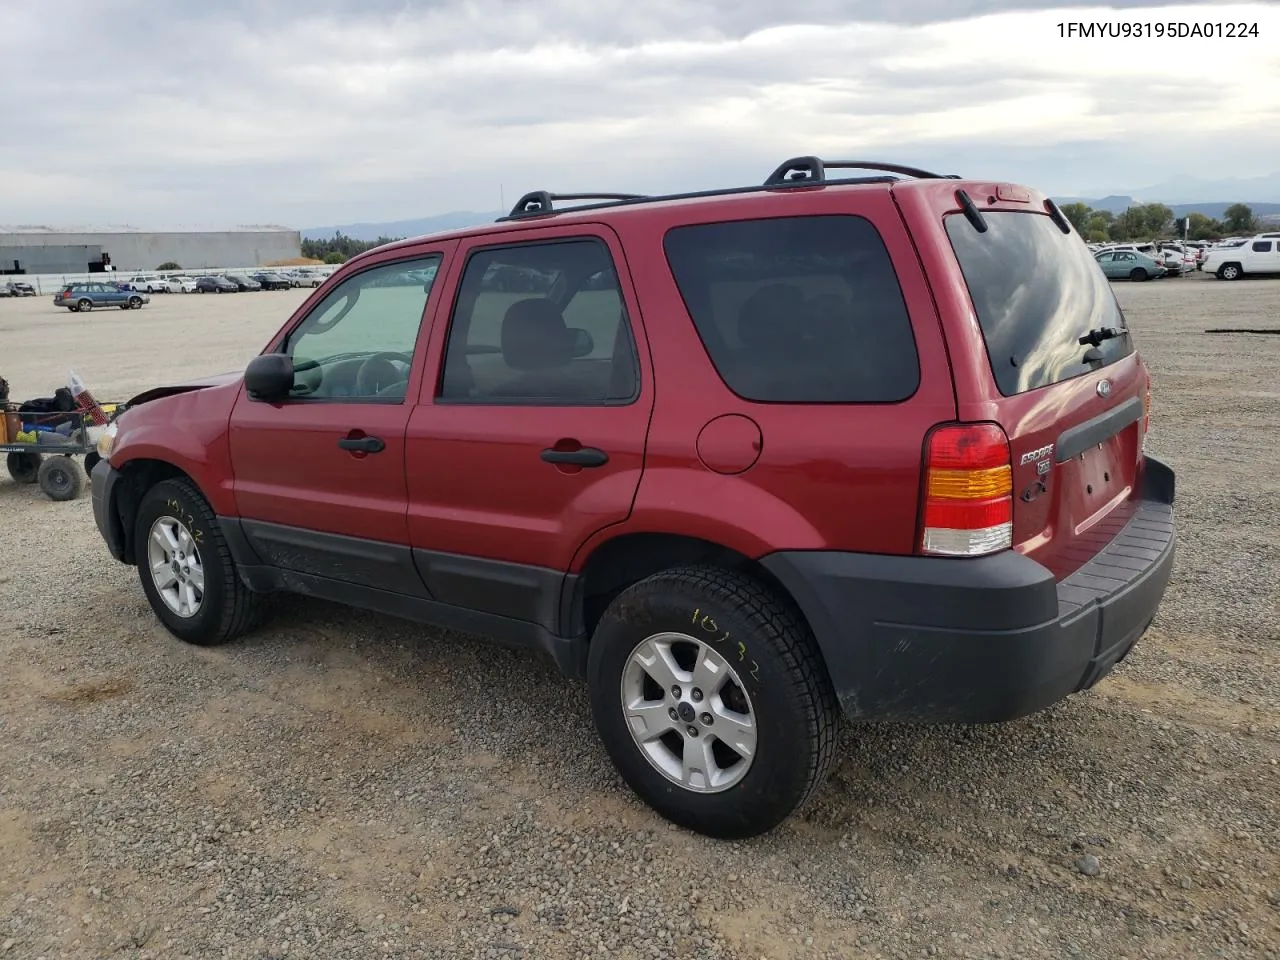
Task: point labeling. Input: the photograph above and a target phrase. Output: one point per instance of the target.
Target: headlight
(107, 441)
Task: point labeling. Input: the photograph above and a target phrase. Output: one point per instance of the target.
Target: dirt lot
(343, 785)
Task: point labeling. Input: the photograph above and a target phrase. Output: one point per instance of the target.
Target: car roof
(538, 207)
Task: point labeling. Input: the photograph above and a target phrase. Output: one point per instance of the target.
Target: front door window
(358, 343)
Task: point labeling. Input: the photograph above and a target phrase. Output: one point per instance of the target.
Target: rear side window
(1036, 291)
(798, 309)
(541, 323)
(1262, 246)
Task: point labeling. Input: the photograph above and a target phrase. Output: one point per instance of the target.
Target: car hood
(203, 383)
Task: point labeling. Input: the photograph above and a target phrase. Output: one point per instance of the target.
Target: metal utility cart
(52, 463)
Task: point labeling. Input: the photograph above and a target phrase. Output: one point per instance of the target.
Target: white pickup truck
(1258, 255)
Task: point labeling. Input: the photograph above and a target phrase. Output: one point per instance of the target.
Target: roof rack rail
(539, 202)
(815, 169)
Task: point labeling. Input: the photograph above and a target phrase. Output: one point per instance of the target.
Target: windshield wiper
(1096, 338)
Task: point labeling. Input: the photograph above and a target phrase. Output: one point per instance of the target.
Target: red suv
(747, 461)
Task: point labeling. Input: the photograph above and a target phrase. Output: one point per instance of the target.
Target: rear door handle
(582, 457)
(362, 444)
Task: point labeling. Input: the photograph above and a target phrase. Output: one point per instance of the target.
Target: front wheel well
(618, 563)
(136, 478)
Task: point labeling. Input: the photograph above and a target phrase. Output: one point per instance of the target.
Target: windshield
(1036, 291)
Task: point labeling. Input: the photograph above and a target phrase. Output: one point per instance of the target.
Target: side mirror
(582, 342)
(269, 377)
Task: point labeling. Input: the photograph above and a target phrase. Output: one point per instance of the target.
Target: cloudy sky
(326, 111)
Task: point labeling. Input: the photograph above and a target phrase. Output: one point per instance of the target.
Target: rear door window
(1036, 291)
(798, 309)
(541, 323)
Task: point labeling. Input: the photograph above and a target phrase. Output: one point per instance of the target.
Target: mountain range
(1201, 191)
(1178, 195)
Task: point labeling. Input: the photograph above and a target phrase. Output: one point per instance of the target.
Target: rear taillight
(968, 494)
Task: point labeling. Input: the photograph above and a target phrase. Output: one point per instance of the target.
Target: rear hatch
(1060, 374)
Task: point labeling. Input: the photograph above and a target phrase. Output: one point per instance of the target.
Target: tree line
(340, 248)
(1151, 221)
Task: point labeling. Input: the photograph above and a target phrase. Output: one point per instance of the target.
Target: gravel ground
(344, 785)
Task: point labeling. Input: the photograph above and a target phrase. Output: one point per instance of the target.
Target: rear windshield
(798, 309)
(1036, 291)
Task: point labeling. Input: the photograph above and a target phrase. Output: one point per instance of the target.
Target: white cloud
(340, 112)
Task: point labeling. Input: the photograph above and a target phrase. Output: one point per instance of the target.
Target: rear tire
(186, 568)
(1138, 274)
(85, 305)
(24, 467)
(62, 479)
(752, 690)
(1229, 271)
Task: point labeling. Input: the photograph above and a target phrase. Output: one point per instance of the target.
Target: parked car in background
(1257, 256)
(149, 283)
(271, 281)
(17, 288)
(308, 277)
(1177, 259)
(1129, 264)
(83, 297)
(244, 284)
(184, 284)
(215, 285)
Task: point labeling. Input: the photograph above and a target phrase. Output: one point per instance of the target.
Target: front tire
(186, 568)
(85, 305)
(711, 699)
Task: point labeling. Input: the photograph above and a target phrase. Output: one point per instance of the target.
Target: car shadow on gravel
(531, 710)
(526, 700)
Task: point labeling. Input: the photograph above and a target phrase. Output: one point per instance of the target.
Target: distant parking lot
(346, 785)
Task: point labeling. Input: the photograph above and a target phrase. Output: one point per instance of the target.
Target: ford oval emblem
(1104, 388)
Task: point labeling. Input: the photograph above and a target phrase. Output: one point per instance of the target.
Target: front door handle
(582, 457)
(362, 444)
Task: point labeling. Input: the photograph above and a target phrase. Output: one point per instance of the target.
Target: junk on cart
(40, 437)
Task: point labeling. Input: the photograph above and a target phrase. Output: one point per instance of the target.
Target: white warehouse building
(45, 250)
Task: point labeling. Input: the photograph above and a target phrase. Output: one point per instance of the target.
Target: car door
(1263, 257)
(1108, 263)
(319, 479)
(533, 437)
(1272, 257)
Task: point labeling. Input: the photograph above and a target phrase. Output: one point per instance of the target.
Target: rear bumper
(987, 639)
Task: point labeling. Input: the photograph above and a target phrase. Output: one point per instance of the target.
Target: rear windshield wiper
(1096, 338)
